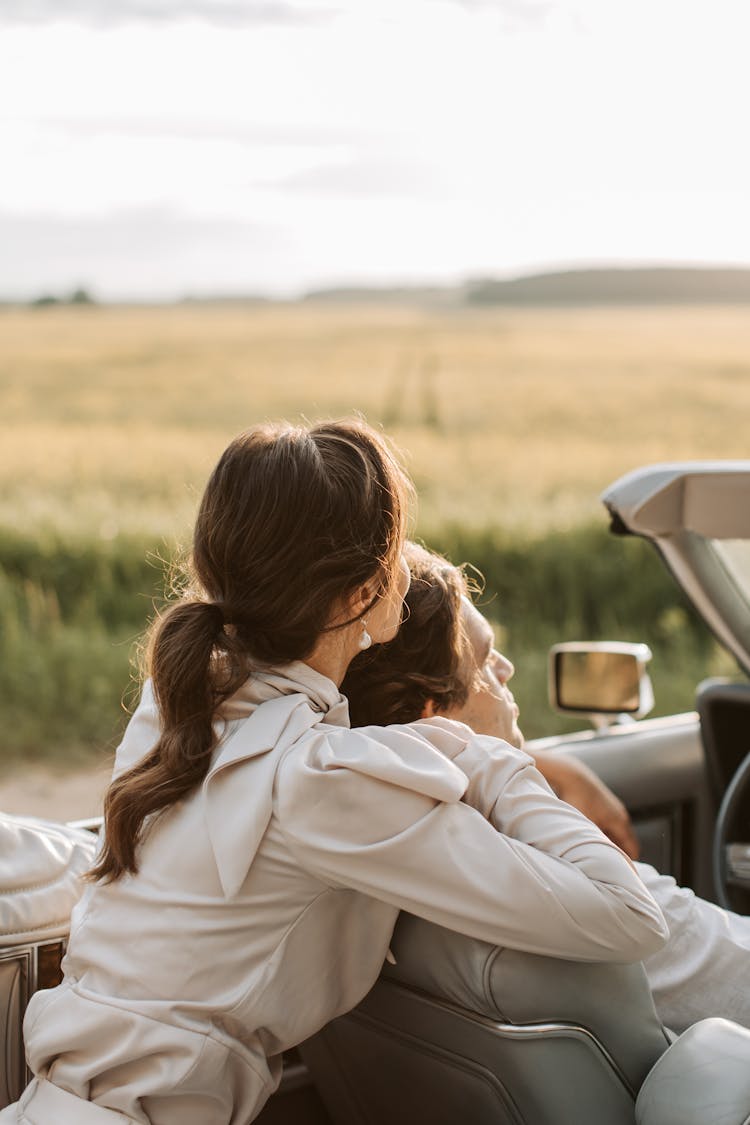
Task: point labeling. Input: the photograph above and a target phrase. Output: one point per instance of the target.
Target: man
(443, 662)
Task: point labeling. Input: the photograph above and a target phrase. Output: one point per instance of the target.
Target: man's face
(490, 707)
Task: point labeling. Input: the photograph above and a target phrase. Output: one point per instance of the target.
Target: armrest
(703, 1077)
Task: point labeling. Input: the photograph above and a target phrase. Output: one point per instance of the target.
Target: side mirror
(605, 680)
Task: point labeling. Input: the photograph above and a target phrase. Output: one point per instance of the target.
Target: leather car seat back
(611, 1001)
(458, 1029)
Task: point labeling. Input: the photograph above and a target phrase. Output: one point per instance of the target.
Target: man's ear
(428, 710)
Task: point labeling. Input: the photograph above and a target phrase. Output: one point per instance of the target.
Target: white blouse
(265, 901)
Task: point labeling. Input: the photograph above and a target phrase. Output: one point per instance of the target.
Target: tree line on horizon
(648, 285)
(595, 286)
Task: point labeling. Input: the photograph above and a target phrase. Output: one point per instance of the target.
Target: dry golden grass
(112, 417)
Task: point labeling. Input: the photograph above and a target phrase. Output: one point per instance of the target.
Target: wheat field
(113, 416)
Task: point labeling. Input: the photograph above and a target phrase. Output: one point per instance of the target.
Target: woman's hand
(577, 785)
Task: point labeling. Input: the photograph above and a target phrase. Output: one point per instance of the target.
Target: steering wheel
(733, 799)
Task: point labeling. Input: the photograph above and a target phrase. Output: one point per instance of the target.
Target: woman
(258, 850)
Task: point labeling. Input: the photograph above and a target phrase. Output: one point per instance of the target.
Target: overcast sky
(153, 148)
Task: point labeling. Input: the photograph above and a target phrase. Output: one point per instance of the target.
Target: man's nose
(503, 667)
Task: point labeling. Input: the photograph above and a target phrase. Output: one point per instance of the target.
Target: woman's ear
(364, 596)
(354, 604)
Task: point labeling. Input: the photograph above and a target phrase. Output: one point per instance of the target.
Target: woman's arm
(506, 862)
(572, 781)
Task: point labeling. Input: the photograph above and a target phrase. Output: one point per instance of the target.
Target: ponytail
(292, 520)
(182, 658)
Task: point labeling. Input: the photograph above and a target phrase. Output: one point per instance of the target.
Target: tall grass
(71, 614)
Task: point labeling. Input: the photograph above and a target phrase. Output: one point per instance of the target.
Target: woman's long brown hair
(292, 520)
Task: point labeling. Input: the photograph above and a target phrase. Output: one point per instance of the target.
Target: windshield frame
(690, 511)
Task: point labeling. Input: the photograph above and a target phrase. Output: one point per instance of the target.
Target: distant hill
(653, 285)
(221, 299)
(389, 294)
(656, 285)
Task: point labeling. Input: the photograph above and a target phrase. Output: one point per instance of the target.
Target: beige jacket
(265, 902)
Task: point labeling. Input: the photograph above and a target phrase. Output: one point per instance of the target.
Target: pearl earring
(365, 640)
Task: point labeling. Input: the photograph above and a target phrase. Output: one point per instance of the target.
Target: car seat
(40, 868)
(461, 1030)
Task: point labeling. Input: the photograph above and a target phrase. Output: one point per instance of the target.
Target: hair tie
(217, 615)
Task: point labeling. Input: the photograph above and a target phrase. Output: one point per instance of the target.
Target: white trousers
(704, 969)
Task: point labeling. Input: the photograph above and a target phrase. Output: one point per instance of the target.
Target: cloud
(514, 14)
(521, 13)
(258, 134)
(401, 176)
(100, 14)
(151, 252)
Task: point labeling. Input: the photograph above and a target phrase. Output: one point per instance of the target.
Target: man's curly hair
(428, 659)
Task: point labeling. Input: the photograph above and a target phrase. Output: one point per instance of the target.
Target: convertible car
(457, 1030)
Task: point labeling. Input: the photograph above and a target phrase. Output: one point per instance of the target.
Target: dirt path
(56, 796)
